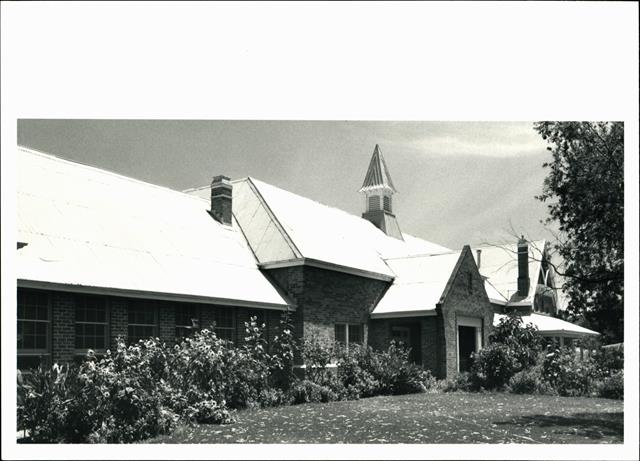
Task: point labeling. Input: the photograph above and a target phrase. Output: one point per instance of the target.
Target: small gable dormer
(378, 190)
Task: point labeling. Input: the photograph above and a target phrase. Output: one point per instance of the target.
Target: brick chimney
(221, 199)
(523, 267)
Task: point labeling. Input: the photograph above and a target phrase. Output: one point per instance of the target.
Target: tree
(584, 191)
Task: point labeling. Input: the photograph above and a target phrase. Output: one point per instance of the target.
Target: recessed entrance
(469, 337)
(466, 346)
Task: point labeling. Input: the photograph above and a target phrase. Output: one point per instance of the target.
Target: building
(101, 255)
(520, 278)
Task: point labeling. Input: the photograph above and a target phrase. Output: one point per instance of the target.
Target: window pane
(341, 333)
(355, 333)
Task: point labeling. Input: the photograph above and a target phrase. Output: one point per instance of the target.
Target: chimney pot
(221, 199)
(479, 256)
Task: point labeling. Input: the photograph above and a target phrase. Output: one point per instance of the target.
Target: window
(374, 203)
(349, 333)
(91, 323)
(142, 320)
(187, 320)
(386, 200)
(225, 323)
(34, 328)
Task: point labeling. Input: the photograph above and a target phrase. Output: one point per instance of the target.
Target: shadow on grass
(591, 425)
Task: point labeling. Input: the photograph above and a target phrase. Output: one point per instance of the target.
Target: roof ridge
(424, 255)
(40, 153)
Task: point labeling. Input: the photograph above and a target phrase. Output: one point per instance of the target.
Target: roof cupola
(378, 190)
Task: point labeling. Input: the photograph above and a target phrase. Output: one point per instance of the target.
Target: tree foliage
(584, 191)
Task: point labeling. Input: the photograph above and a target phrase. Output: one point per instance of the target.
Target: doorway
(466, 346)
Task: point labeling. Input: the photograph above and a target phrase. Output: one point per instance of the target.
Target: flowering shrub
(317, 353)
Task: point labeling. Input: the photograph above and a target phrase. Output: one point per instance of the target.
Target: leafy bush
(112, 400)
(608, 362)
(568, 374)
(306, 391)
(612, 387)
(283, 352)
(397, 374)
(529, 381)
(523, 339)
(356, 369)
(317, 353)
(494, 365)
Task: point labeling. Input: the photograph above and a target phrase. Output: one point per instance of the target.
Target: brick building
(101, 255)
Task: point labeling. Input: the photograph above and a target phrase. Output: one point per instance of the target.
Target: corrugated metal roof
(87, 227)
(377, 173)
(499, 264)
(327, 234)
(548, 325)
(419, 284)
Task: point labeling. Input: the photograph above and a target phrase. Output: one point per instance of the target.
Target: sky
(458, 182)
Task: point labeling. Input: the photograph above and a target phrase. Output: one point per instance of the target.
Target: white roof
(89, 229)
(499, 264)
(282, 226)
(419, 285)
(549, 326)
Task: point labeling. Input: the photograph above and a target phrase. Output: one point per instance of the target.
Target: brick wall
(63, 307)
(464, 301)
(325, 297)
(430, 343)
(118, 319)
(62, 326)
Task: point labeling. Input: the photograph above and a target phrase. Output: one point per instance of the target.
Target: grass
(423, 418)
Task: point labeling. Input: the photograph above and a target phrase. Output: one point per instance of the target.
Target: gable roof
(91, 230)
(499, 264)
(377, 173)
(421, 283)
(284, 228)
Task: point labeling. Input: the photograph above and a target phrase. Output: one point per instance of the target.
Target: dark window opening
(225, 325)
(187, 320)
(91, 323)
(143, 322)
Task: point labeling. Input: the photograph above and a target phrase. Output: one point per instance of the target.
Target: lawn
(423, 418)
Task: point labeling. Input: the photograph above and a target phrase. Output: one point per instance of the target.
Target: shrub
(306, 391)
(494, 365)
(608, 361)
(397, 375)
(529, 381)
(524, 340)
(356, 368)
(569, 375)
(317, 352)
(283, 353)
(612, 387)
